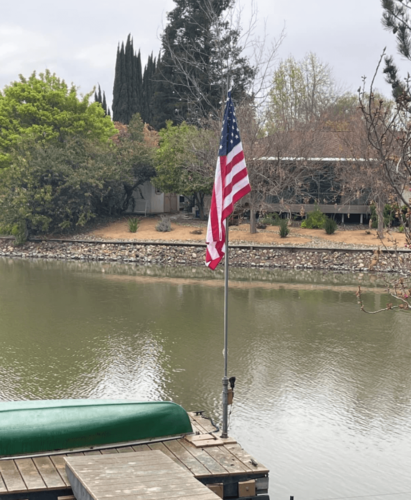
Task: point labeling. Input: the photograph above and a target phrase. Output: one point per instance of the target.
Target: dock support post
(361, 218)
(342, 218)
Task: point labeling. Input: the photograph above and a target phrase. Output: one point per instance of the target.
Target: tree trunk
(253, 221)
(380, 216)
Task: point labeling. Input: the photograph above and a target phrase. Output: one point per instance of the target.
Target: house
(149, 200)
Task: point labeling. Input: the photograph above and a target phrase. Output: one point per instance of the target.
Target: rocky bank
(332, 259)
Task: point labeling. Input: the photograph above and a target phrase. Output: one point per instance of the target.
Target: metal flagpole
(225, 379)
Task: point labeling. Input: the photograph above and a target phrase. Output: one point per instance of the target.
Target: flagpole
(225, 379)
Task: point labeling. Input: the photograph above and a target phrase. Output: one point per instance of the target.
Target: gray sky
(78, 39)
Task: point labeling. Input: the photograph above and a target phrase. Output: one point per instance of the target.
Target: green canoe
(35, 426)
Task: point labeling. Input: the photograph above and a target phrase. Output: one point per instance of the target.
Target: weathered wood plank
(189, 495)
(204, 423)
(145, 475)
(141, 447)
(128, 488)
(125, 449)
(166, 451)
(209, 462)
(30, 474)
(48, 472)
(165, 478)
(227, 459)
(192, 464)
(2, 485)
(60, 465)
(246, 458)
(11, 476)
(109, 451)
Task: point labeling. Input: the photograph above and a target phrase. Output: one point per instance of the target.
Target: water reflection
(324, 392)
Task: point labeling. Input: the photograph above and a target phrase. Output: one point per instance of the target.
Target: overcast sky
(78, 39)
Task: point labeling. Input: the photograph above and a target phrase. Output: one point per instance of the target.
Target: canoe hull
(36, 426)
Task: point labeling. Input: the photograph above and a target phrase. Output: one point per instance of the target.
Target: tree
(101, 98)
(185, 162)
(57, 186)
(47, 109)
(301, 92)
(203, 51)
(128, 83)
(396, 19)
(136, 146)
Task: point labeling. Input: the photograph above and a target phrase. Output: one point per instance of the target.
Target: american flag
(230, 185)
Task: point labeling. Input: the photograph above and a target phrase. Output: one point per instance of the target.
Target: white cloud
(99, 55)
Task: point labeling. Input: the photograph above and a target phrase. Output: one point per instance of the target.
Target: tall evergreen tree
(200, 53)
(396, 19)
(127, 91)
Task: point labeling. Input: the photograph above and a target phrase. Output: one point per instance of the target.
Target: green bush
(330, 226)
(133, 224)
(284, 231)
(314, 220)
(401, 229)
(388, 216)
(271, 220)
(19, 231)
(164, 226)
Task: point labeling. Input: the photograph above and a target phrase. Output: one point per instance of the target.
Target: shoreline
(174, 254)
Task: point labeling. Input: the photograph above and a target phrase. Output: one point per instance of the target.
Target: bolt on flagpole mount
(225, 379)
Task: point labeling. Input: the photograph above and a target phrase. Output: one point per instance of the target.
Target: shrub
(284, 231)
(330, 226)
(164, 226)
(314, 220)
(19, 231)
(387, 214)
(401, 229)
(271, 220)
(133, 224)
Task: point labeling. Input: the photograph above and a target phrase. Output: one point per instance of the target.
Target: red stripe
(216, 225)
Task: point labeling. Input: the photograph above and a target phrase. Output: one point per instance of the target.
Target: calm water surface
(323, 395)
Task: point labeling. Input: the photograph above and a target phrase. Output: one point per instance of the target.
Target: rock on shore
(168, 255)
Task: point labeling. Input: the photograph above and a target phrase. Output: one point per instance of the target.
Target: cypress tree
(117, 86)
(104, 103)
(127, 92)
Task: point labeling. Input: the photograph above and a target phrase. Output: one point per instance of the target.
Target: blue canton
(230, 136)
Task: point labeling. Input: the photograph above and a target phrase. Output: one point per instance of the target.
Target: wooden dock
(220, 464)
(143, 476)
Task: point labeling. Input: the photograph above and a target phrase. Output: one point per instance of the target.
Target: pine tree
(200, 52)
(396, 19)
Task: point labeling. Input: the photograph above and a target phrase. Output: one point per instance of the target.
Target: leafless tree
(388, 134)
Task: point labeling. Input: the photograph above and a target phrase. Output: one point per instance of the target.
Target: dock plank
(30, 474)
(209, 462)
(48, 472)
(246, 458)
(227, 460)
(141, 447)
(192, 464)
(166, 451)
(2, 485)
(204, 423)
(122, 476)
(109, 451)
(125, 449)
(11, 476)
(60, 465)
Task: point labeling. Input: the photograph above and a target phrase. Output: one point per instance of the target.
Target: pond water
(323, 393)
